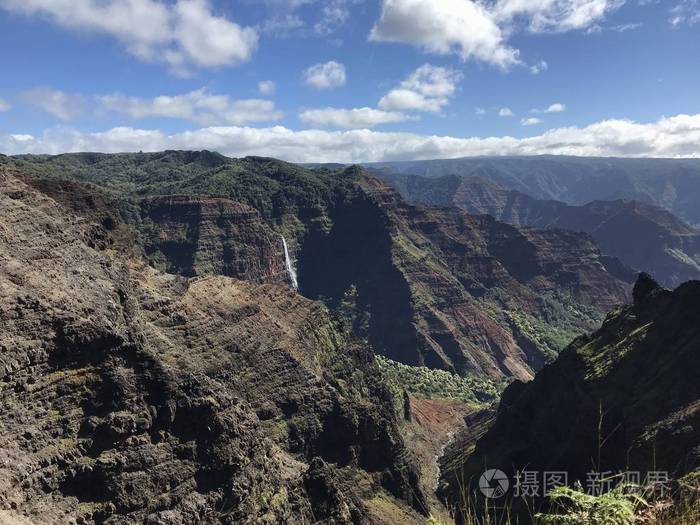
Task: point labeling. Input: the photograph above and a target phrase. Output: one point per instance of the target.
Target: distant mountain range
(642, 235)
(668, 183)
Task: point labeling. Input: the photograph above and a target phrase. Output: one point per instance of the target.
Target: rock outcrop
(624, 398)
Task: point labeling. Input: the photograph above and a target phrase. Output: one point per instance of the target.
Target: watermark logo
(494, 484)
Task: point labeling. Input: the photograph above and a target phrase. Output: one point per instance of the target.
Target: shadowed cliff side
(624, 398)
(440, 288)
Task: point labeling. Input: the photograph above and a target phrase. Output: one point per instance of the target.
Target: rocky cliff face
(448, 290)
(641, 235)
(426, 286)
(130, 395)
(624, 398)
(196, 235)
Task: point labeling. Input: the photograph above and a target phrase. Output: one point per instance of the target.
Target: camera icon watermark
(494, 484)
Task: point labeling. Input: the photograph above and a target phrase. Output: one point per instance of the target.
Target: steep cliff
(624, 398)
(130, 395)
(641, 235)
(428, 286)
(196, 235)
(448, 290)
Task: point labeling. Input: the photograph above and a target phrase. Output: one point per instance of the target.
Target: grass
(624, 505)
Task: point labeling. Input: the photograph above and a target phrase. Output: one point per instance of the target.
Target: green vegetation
(273, 187)
(617, 507)
(563, 320)
(624, 505)
(429, 383)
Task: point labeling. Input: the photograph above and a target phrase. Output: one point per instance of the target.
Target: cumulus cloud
(677, 136)
(356, 118)
(198, 106)
(183, 34)
(326, 76)
(505, 112)
(531, 121)
(63, 106)
(462, 27)
(266, 88)
(480, 29)
(429, 88)
(4, 105)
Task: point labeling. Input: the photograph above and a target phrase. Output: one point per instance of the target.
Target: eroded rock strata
(130, 395)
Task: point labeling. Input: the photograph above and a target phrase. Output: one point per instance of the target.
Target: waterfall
(290, 267)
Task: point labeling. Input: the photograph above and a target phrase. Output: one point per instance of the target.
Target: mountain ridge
(640, 234)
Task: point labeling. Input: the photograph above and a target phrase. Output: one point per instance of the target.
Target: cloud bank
(677, 136)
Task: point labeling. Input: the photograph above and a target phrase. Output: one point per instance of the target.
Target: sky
(352, 80)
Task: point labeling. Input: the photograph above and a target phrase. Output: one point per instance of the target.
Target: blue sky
(352, 80)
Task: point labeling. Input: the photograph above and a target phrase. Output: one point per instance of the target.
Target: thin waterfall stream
(290, 266)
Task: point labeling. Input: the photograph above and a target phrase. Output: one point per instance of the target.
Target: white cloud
(623, 28)
(620, 28)
(677, 136)
(463, 27)
(531, 121)
(282, 24)
(333, 15)
(480, 29)
(182, 34)
(556, 108)
(480, 111)
(428, 88)
(4, 105)
(208, 40)
(266, 88)
(505, 112)
(553, 15)
(326, 76)
(63, 106)
(22, 137)
(357, 118)
(685, 12)
(539, 67)
(330, 15)
(198, 106)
